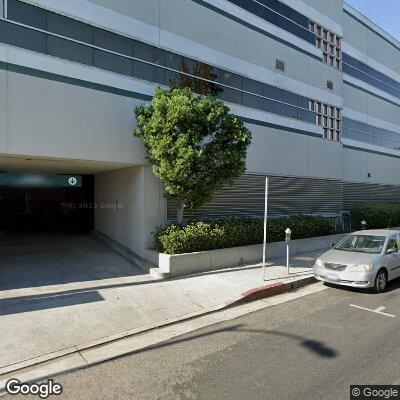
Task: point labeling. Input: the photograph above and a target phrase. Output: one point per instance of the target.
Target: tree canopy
(194, 144)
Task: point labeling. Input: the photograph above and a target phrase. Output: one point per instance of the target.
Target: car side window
(398, 241)
(392, 244)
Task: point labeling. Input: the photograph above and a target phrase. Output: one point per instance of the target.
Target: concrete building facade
(316, 82)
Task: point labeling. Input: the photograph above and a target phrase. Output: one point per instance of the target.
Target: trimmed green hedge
(375, 215)
(232, 232)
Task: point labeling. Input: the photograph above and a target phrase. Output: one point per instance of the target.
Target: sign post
(288, 234)
(265, 226)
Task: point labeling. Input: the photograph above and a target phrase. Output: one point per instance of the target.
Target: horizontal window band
(158, 74)
(265, 12)
(366, 129)
(125, 93)
(349, 67)
(158, 60)
(257, 29)
(372, 72)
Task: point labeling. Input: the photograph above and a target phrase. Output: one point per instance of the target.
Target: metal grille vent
(280, 65)
(287, 196)
(329, 85)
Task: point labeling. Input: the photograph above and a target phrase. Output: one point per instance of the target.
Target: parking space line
(376, 311)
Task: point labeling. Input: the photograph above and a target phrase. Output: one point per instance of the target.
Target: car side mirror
(333, 245)
(391, 251)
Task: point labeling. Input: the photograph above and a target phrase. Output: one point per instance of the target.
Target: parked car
(364, 259)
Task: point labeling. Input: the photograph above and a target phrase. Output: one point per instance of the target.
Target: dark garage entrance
(46, 203)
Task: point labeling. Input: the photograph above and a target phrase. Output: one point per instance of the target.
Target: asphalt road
(313, 347)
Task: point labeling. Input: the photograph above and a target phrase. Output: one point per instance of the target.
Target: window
(113, 52)
(279, 14)
(231, 79)
(253, 101)
(69, 27)
(22, 37)
(361, 132)
(329, 117)
(69, 50)
(112, 62)
(231, 95)
(371, 76)
(26, 14)
(148, 72)
(1, 8)
(179, 63)
(113, 42)
(149, 53)
(329, 42)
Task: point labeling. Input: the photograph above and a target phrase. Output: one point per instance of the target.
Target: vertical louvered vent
(280, 65)
(329, 85)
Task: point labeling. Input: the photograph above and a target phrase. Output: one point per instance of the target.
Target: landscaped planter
(190, 263)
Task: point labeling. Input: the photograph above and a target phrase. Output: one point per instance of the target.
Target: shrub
(231, 232)
(375, 215)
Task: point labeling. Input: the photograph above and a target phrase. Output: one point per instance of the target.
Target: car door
(393, 259)
(396, 268)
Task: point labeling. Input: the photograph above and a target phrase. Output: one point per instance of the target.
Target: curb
(245, 297)
(269, 290)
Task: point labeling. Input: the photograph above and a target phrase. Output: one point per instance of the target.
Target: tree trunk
(181, 209)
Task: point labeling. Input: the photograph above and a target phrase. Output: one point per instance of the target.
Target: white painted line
(376, 311)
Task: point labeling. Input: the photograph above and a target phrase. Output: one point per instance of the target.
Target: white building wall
(141, 206)
(46, 118)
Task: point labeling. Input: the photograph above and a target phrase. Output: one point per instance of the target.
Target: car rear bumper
(346, 278)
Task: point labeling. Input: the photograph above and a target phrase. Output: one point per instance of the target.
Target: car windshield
(362, 243)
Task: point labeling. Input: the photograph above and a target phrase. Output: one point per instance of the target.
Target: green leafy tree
(194, 144)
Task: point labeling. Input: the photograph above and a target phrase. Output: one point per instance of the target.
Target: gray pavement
(61, 293)
(312, 347)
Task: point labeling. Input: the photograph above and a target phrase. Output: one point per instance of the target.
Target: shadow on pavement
(9, 307)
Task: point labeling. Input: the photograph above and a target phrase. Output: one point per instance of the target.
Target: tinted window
(149, 53)
(22, 37)
(249, 85)
(252, 101)
(71, 51)
(231, 79)
(305, 115)
(231, 95)
(112, 62)
(302, 102)
(113, 42)
(172, 78)
(69, 28)
(206, 71)
(26, 14)
(367, 74)
(179, 63)
(148, 72)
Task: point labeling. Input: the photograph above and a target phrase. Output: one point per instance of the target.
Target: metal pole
(287, 259)
(265, 226)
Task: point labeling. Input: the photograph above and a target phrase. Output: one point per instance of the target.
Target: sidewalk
(41, 323)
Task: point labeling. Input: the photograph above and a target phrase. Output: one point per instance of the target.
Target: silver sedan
(364, 259)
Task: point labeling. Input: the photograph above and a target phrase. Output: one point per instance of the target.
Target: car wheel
(381, 281)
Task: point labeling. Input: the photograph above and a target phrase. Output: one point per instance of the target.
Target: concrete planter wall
(190, 263)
